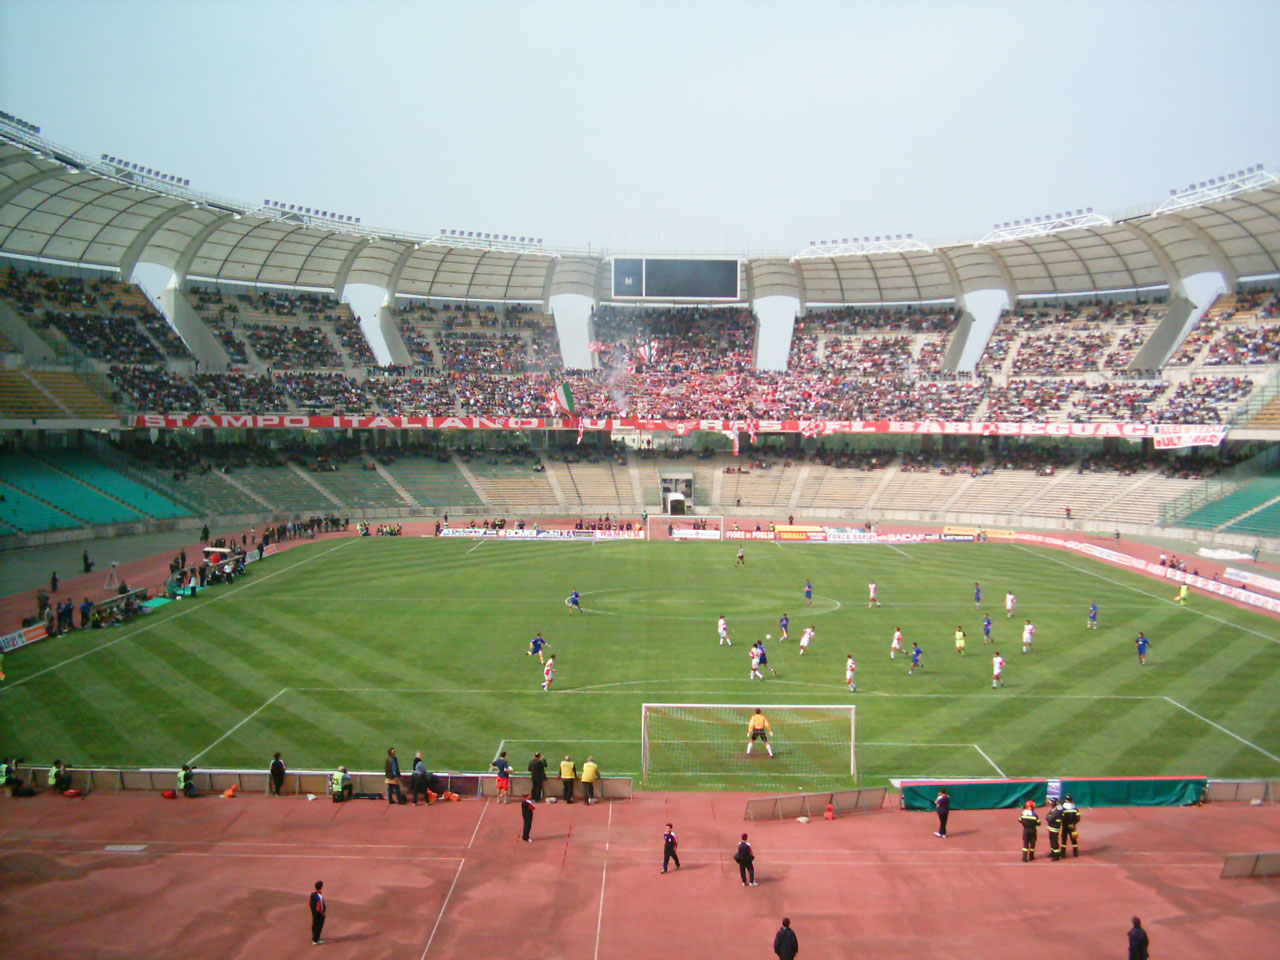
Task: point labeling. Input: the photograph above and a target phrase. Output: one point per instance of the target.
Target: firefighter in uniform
(1070, 827)
(1030, 823)
(1053, 821)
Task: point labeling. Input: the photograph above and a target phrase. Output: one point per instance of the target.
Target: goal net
(685, 528)
(708, 741)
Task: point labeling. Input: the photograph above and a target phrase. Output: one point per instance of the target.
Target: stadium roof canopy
(59, 205)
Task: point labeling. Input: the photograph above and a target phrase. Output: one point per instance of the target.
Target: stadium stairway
(392, 482)
(308, 479)
(471, 479)
(20, 396)
(560, 482)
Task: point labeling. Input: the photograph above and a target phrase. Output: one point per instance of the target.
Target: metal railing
(1217, 487)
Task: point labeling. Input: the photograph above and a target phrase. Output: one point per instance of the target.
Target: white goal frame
(665, 518)
(853, 724)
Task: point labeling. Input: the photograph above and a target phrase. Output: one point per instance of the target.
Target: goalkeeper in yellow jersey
(758, 729)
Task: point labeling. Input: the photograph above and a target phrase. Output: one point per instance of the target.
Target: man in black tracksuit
(537, 777)
(1053, 820)
(1030, 824)
(669, 844)
(1070, 827)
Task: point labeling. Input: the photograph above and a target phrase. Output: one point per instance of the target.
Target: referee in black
(669, 844)
(1030, 824)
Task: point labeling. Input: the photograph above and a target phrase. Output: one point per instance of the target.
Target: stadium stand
(432, 480)
(1265, 521)
(20, 396)
(28, 515)
(46, 483)
(1223, 511)
(104, 479)
(74, 392)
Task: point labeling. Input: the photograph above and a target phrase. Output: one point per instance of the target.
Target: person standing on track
(277, 774)
(785, 944)
(942, 803)
(746, 860)
(1030, 822)
(1053, 823)
(568, 774)
(526, 814)
(537, 777)
(669, 844)
(1139, 942)
(391, 774)
(590, 774)
(504, 776)
(317, 912)
(1070, 827)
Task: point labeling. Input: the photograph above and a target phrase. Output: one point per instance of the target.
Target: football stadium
(843, 556)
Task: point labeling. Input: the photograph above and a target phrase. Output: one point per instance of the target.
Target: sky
(658, 127)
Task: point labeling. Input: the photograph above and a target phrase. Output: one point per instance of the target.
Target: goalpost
(687, 527)
(709, 741)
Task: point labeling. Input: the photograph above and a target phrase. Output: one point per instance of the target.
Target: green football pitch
(333, 651)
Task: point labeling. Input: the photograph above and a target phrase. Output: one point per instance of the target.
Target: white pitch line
(479, 544)
(264, 706)
(1127, 586)
(988, 759)
(604, 875)
(898, 550)
(183, 612)
(443, 907)
(480, 820)
(1218, 726)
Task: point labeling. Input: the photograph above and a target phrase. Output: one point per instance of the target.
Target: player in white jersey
(997, 671)
(1010, 601)
(850, 674)
(805, 639)
(871, 596)
(1028, 636)
(549, 672)
(755, 673)
(896, 647)
(722, 627)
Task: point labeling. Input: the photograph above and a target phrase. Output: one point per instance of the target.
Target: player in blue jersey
(808, 593)
(1142, 643)
(783, 622)
(977, 595)
(916, 654)
(1092, 622)
(536, 645)
(575, 602)
(986, 629)
(764, 655)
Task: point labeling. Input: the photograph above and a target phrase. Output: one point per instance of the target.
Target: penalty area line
(1218, 726)
(272, 699)
(988, 759)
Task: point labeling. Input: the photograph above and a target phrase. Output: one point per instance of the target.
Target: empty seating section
(1001, 492)
(511, 487)
(41, 480)
(924, 492)
(1268, 417)
(431, 482)
(769, 489)
(283, 489)
(601, 484)
(1142, 503)
(23, 513)
(358, 488)
(215, 495)
(20, 397)
(1084, 493)
(74, 393)
(96, 474)
(1265, 522)
(838, 488)
(1225, 509)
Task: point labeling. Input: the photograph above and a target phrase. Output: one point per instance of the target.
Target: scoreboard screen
(654, 278)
